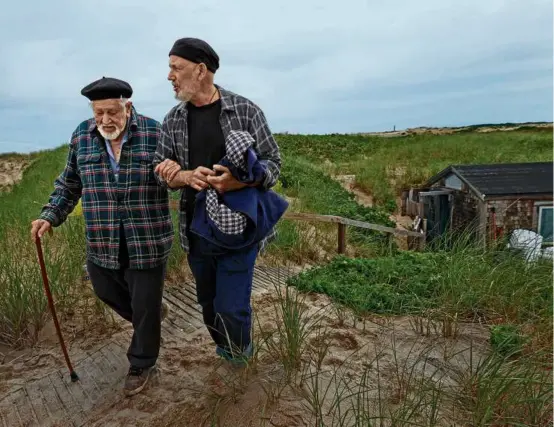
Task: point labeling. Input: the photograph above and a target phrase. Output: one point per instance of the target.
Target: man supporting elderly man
(196, 135)
(121, 164)
(128, 225)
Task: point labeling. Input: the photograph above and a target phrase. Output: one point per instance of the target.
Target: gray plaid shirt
(237, 114)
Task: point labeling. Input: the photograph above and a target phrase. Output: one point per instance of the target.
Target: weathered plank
(87, 382)
(53, 403)
(37, 401)
(185, 301)
(24, 408)
(8, 410)
(71, 407)
(55, 400)
(180, 314)
(352, 222)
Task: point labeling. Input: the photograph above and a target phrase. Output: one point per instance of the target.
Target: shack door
(437, 212)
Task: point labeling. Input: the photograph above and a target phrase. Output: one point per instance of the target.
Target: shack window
(452, 181)
(545, 223)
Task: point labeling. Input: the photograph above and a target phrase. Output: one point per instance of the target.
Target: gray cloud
(342, 66)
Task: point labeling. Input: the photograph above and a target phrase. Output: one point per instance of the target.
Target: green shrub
(506, 339)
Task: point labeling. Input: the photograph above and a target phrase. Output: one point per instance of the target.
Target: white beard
(110, 135)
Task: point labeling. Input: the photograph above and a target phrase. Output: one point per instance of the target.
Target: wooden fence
(342, 223)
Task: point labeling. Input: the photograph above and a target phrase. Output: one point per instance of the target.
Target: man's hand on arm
(226, 181)
(167, 170)
(198, 178)
(175, 177)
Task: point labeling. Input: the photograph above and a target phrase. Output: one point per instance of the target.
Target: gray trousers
(136, 295)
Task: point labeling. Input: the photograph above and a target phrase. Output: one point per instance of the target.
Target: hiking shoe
(136, 380)
(165, 310)
(237, 359)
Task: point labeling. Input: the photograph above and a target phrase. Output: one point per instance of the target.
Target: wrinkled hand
(226, 181)
(167, 170)
(198, 178)
(39, 227)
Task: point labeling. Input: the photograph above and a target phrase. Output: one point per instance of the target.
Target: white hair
(122, 101)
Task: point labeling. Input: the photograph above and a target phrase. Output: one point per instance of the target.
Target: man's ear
(202, 71)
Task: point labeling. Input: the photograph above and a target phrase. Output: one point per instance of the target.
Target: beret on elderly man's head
(107, 88)
(197, 51)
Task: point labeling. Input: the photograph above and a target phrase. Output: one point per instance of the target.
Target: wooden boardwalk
(54, 400)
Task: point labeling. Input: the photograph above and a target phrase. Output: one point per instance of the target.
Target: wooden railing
(342, 223)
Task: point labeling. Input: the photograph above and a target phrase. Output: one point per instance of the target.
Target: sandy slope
(194, 388)
(11, 171)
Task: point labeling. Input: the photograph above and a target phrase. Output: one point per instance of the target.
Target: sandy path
(194, 388)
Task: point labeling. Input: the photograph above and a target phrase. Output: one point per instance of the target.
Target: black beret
(107, 88)
(197, 51)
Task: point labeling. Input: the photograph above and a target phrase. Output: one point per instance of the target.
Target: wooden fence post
(342, 238)
(424, 235)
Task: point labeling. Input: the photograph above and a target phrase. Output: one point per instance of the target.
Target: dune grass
(23, 306)
(512, 385)
(384, 166)
(400, 377)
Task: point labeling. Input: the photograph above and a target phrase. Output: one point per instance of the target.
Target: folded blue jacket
(237, 219)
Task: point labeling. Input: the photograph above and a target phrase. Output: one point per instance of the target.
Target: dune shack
(491, 199)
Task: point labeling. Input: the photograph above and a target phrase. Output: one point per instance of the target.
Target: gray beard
(184, 97)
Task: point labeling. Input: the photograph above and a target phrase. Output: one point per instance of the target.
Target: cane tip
(74, 377)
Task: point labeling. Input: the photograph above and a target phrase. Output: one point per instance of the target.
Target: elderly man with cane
(128, 225)
(196, 135)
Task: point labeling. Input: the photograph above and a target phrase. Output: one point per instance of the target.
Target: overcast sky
(347, 66)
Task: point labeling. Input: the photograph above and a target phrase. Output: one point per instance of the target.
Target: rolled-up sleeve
(266, 148)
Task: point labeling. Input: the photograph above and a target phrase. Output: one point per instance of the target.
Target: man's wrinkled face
(185, 76)
(111, 117)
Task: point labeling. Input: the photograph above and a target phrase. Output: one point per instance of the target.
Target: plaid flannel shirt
(237, 114)
(135, 199)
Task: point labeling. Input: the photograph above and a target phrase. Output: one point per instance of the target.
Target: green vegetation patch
(317, 192)
(472, 283)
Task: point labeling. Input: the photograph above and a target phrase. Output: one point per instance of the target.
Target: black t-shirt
(205, 140)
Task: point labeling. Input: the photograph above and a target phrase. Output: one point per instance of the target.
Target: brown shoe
(136, 380)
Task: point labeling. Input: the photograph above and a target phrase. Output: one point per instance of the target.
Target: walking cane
(72, 373)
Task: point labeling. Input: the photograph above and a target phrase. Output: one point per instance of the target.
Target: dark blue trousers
(224, 287)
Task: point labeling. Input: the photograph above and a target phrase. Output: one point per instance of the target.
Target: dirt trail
(194, 388)
(365, 199)
(348, 182)
(11, 171)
